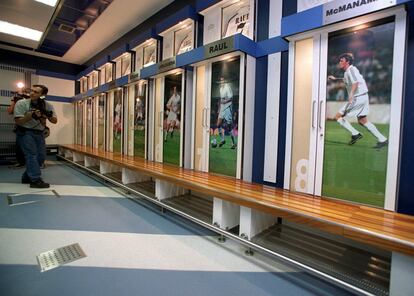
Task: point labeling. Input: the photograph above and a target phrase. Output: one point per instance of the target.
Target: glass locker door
(346, 100)
(169, 125)
(201, 122)
(101, 122)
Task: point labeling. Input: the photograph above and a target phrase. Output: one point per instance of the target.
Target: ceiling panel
(89, 25)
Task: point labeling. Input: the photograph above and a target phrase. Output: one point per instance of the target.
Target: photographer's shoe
(39, 184)
(25, 181)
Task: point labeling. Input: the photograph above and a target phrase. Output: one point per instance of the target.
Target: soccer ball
(214, 143)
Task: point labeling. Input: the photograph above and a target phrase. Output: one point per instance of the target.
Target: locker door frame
(160, 125)
(396, 106)
(131, 117)
(206, 110)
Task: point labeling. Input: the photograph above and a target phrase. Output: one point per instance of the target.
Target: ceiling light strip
(48, 2)
(20, 31)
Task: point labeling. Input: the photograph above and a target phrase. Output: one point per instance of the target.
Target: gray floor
(131, 249)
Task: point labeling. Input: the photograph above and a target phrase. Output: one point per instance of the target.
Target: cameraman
(30, 116)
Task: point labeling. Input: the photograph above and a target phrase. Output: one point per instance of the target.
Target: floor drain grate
(57, 257)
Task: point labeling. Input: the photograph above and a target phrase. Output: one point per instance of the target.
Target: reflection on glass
(126, 65)
(224, 117)
(360, 64)
(108, 73)
(150, 55)
(183, 40)
(235, 19)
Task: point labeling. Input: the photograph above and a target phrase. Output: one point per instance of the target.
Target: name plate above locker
(345, 9)
(220, 47)
(167, 64)
(236, 42)
(135, 76)
(111, 84)
(332, 12)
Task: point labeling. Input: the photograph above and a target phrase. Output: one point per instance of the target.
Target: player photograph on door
(117, 123)
(172, 119)
(358, 104)
(139, 119)
(224, 117)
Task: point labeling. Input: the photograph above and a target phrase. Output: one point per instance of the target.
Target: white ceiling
(120, 17)
(27, 13)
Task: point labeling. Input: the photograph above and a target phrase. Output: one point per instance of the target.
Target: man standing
(358, 102)
(29, 115)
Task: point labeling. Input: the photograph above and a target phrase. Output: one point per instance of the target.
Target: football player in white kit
(117, 121)
(173, 108)
(358, 102)
(225, 113)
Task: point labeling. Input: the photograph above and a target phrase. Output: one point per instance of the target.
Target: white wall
(56, 86)
(64, 131)
(307, 4)
(273, 97)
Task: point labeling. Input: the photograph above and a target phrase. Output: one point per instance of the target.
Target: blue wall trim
(143, 37)
(244, 44)
(406, 185)
(117, 52)
(204, 4)
(260, 99)
(272, 45)
(191, 57)
(102, 62)
(59, 99)
(309, 19)
(85, 72)
(182, 14)
(55, 75)
(149, 71)
(121, 81)
(240, 42)
(302, 21)
(280, 173)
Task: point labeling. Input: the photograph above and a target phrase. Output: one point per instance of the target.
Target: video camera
(40, 105)
(18, 96)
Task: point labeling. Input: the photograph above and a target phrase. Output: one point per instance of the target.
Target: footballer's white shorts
(172, 116)
(226, 114)
(359, 107)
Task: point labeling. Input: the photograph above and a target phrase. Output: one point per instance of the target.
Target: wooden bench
(384, 229)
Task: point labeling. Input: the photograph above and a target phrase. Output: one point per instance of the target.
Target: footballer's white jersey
(225, 94)
(174, 103)
(239, 23)
(351, 76)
